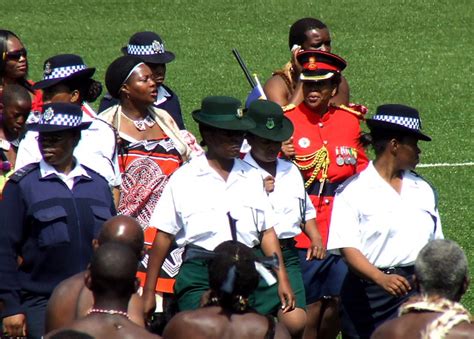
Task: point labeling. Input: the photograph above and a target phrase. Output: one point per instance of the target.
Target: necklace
(112, 312)
(141, 123)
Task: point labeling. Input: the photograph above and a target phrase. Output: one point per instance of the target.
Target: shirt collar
(162, 96)
(46, 170)
(203, 167)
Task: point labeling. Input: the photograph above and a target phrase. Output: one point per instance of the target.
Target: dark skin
(214, 322)
(317, 96)
(276, 89)
(57, 148)
(14, 118)
(15, 68)
(136, 95)
(71, 299)
(108, 325)
(223, 148)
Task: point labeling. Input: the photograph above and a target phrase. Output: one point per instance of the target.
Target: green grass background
(417, 52)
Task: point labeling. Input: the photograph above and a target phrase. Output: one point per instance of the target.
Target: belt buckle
(390, 270)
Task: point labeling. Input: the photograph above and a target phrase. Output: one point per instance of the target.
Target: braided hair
(232, 276)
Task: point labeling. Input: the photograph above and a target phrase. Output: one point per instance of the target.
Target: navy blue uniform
(170, 105)
(51, 228)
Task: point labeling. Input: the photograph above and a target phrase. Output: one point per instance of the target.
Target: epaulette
(288, 107)
(346, 182)
(435, 191)
(359, 114)
(22, 172)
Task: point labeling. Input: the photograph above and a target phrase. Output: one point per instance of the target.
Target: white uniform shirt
(77, 171)
(288, 198)
(389, 228)
(96, 150)
(195, 202)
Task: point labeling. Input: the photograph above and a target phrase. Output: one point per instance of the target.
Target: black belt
(287, 243)
(329, 188)
(400, 270)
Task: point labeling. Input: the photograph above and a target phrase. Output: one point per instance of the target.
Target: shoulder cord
(319, 162)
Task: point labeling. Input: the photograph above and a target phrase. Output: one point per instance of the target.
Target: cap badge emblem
(48, 114)
(47, 68)
(312, 66)
(240, 113)
(157, 46)
(270, 123)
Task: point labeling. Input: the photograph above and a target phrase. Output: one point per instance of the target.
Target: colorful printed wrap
(145, 166)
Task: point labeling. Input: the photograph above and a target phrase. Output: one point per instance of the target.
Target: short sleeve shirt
(196, 200)
(388, 228)
(289, 199)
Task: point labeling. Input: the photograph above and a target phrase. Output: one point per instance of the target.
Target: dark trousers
(35, 306)
(366, 305)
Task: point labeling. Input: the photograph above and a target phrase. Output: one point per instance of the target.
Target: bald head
(125, 230)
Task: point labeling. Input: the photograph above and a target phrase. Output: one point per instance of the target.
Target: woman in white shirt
(381, 219)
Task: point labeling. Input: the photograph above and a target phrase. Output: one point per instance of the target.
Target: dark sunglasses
(15, 55)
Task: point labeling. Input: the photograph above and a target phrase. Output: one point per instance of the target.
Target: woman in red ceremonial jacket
(325, 147)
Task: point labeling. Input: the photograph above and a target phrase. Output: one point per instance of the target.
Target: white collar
(282, 165)
(46, 169)
(240, 167)
(163, 94)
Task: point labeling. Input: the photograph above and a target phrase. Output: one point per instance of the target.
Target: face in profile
(16, 64)
(317, 39)
(408, 153)
(318, 93)
(14, 117)
(141, 86)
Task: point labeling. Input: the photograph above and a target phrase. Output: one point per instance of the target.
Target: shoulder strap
(435, 191)
(22, 172)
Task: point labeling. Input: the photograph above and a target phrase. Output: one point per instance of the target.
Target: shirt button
(326, 201)
(321, 124)
(325, 142)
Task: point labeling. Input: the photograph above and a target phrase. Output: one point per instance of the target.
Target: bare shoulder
(461, 331)
(276, 90)
(61, 308)
(201, 323)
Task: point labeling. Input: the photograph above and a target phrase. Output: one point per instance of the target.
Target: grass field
(418, 52)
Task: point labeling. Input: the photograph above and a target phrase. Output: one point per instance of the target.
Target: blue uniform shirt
(50, 227)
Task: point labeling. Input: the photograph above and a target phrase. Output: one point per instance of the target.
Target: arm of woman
(317, 249)
(271, 245)
(394, 284)
(157, 255)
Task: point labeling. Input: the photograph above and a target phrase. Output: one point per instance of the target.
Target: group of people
(301, 236)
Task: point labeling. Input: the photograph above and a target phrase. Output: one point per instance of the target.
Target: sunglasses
(15, 55)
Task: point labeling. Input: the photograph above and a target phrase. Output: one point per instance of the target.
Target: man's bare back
(108, 326)
(213, 322)
(411, 325)
(71, 300)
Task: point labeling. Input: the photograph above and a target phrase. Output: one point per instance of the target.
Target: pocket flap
(50, 213)
(101, 212)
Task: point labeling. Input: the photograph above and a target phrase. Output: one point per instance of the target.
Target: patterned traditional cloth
(452, 314)
(145, 166)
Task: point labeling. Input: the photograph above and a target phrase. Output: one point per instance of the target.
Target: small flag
(256, 93)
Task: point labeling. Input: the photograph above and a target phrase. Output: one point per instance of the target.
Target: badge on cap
(312, 64)
(240, 113)
(157, 46)
(47, 68)
(48, 114)
(270, 123)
